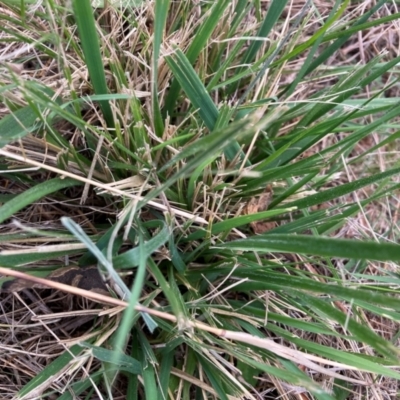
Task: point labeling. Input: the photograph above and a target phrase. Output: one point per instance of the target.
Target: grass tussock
(230, 168)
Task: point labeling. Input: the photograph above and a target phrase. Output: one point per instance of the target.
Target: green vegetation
(225, 163)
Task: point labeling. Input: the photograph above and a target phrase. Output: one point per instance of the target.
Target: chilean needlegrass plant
(143, 138)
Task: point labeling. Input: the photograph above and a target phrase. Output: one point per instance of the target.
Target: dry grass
(36, 326)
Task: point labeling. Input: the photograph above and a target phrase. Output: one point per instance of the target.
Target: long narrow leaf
(341, 190)
(85, 21)
(16, 125)
(161, 13)
(318, 246)
(196, 46)
(33, 194)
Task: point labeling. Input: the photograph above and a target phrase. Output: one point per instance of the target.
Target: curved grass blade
(130, 316)
(33, 194)
(78, 232)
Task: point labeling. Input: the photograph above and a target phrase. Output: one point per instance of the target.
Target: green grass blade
(235, 222)
(46, 376)
(33, 194)
(331, 49)
(200, 40)
(85, 21)
(130, 314)
(79, 233)
(206, 148)
(341, 190)
(13, 260)
(161, 14)
(317, 39)
(77, 388)
(318, 246)
(246, 79)
(215, 377)
(149, 372)
(124, 362)
(194, 88)
(133, 257)
(294, 378)
(16, 125)
(165, 375)
(275, 10)
(261, 280)
(358, 330)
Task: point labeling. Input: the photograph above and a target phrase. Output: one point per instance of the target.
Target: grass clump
(224, 164)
